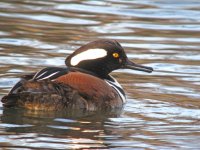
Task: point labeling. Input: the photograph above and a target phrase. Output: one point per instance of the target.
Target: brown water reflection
(162, 110)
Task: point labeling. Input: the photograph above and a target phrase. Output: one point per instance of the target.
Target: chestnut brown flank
(88, 84)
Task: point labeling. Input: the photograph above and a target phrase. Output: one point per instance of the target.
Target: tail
(10, 100)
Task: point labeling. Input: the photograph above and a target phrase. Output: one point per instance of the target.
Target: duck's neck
(99, 75)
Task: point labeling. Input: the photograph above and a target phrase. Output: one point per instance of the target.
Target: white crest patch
(88, 55)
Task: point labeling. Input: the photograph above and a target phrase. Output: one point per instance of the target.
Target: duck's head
(102, 57)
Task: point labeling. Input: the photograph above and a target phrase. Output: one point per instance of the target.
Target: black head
(102, 57)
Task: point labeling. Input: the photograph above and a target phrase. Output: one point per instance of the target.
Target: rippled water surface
(162, 109)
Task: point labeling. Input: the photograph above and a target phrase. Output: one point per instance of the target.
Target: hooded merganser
(84, 83)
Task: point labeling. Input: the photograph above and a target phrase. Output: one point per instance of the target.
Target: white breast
(114, 84)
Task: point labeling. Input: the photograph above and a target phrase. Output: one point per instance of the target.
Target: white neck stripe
(88, 55)
(114, 85)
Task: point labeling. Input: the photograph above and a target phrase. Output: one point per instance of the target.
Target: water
(162, 109)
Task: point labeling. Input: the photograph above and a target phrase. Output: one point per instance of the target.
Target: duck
(84, 83)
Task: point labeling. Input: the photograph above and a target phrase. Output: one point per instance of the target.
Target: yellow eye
(115, 55)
